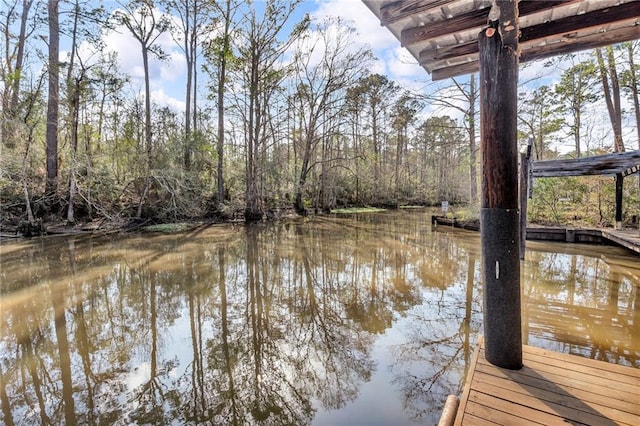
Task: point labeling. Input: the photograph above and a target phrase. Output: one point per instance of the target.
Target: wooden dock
(552, 388)
(629, 238)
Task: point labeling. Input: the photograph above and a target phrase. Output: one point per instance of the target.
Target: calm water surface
(361, 319)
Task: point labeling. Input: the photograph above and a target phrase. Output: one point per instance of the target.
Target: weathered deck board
(551, 388)
(627, 238)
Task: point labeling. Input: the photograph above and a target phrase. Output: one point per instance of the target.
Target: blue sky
(167, 77)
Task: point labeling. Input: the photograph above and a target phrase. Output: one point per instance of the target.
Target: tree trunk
(222, 70)
(187, 115)
(611, 89)
(252, 206)
(52, 103)
(473, 173)
(10, 96)
(75, 107)
(302, 178)
(634, 91)
(576, 125)
(25, 188)
(636, 102)
(73, 101)
(147, 128)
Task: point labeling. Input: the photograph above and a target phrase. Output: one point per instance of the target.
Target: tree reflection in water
(280, 323)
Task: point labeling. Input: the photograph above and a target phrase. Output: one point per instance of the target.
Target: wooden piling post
(498, 47)
(524, 191)
(619, 188)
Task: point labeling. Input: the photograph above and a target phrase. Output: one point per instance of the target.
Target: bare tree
(53, 102)
(611, 91)
(540, 117)
(403, 115)
(219, 53)
(261, 52)
(463, 97)
(145, 24)
(193, 15)
(325, 67)
(377, 93)
(631, 82)
(11, 66)
(576, 90)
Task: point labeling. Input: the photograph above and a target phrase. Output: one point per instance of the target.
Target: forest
(282, 113)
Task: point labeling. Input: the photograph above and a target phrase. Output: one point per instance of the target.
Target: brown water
(361, 319)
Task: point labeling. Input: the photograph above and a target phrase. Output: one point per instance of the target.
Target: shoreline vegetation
(14, 228)
(13, 225)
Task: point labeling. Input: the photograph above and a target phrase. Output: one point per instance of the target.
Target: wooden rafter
(475, 19)
(529, 51)
(442, 34)
(395, 11)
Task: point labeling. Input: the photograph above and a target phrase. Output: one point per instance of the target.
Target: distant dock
(551, 388)
(629, 238)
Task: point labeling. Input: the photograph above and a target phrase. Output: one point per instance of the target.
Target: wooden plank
(606, 367)
(624, 238)
(471, 420)
(607, 164)
(572, 385)
(576, 400)
(430, 31)
(503, 411)
(498, 414)
(467, 385)
(551, 388)
(545, 412)
(534, 368)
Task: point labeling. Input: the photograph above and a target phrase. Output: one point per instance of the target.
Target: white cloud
(359, 15)
(390, 59)
(166, 77)
(160, 97)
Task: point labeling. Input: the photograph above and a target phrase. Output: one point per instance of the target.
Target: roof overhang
(442, 35)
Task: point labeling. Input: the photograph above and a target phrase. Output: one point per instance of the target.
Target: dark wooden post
(619, 187)
(498, 46)
(524, 192)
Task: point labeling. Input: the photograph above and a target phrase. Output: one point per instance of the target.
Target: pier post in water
(499, 219)
(619, 190)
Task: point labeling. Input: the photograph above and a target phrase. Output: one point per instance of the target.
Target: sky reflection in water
(367, 319)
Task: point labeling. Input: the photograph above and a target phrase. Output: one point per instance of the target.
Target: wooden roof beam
(393, 12)
(567, 45)
(626, 12)
(455, 70)
(594, 19)
(475, 19)
(562, 46)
